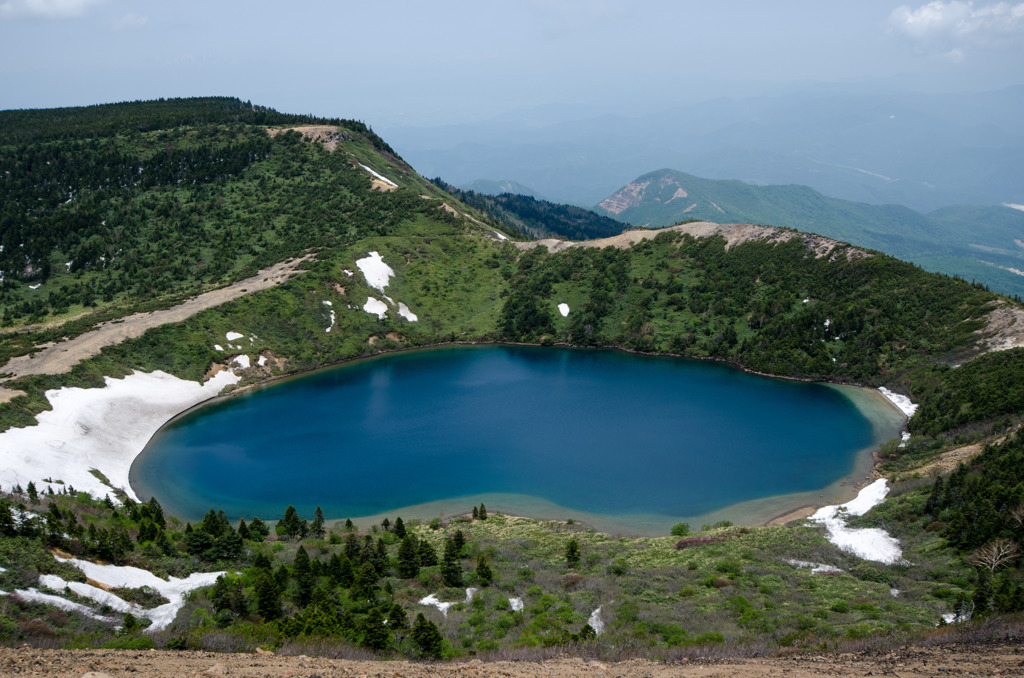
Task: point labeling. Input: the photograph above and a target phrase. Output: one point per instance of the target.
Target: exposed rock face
(1004, 329)
(630, 196)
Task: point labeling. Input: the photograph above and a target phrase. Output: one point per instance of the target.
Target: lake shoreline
(765, 511)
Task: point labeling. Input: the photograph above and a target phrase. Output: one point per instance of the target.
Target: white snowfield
(869, 543)
(376, 272)
(378, 275)
(563, 308)
(900, 401)
(173, 589)
(432, 601)
(376, 307)
(98, 428)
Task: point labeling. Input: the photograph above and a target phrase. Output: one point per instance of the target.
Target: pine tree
(460, 541)
(317, 527)
(572, 554)
(156, 513)
(302, 572)
(408, 558)
(483, 511)
(243, 530)
(484, 573)
(451, 566)
(33, 495)
(258, 530)
(365, 585)
(400, 528)
(427, 638)
(268, 596)
(376, 634)
(291, 524)
(476, 513)
(428, 555)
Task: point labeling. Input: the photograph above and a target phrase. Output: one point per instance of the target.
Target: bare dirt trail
(62, 356)
(1000, 658)
(734, 234)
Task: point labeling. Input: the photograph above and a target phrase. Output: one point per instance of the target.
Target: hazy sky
(422, 62)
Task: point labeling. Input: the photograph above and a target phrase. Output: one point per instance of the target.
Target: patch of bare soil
(961, 659)
(61, 357)
(734, 234)
(1004, 329)
(328, 135)
(7, 394)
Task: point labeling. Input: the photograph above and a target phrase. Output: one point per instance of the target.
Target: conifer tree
(376, 634)
(428, 555)
(268, 596)
(484, 573)
(399, 528)
(258, 530)
(317, 527)
(302, 572)
(365, 585)
(427, 638)
(482, 512)
(33, 495)
(408, 558)
(572, 554)
(451, 566)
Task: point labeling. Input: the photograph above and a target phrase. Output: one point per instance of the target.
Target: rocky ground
(987, 658)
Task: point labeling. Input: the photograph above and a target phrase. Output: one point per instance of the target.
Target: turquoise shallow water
(596, 432)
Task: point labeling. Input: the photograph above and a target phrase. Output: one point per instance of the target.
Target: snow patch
(563, 308)
(376, 307)
(499, 235)
(867, 543)
(118, 576)
(470, 593)
(218, 347)
(331, 326)
(596, 622)
(1014, 206)
(36, 286)
(35, 596)
(379, 176)
(261, 361)
(404, 311)
(347, 272)
(99, 428)
(516, 603)
(376, 272)
(905, 436)
(902, 402)
(242, 361)
(816, 568)
(231, 336)
(432, 600)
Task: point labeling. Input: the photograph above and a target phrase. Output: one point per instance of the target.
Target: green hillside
(973, 242)
(224, 189)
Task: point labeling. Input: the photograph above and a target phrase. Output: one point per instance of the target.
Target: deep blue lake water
(596, 432)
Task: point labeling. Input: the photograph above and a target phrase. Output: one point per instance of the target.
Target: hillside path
(59, 358)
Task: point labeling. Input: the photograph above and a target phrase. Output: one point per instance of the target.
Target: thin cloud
(44, 9)
(131, 20)
(950, 28)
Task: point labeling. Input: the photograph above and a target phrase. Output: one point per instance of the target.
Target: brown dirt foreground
(1005, 658)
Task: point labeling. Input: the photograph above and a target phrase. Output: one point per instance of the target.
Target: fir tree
(408, 558)
(399, 528)
(483, 512)
(317, 527)
(365, 585)
(572, 554)
(268, 596)
(427, 638)
(291, 524)
(484, 573)
(376, 634)
(428, 555)
(302, 572)
(451, 567)
(258, 530)
(33, 495)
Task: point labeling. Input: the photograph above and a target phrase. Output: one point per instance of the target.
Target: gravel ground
(1004, 658)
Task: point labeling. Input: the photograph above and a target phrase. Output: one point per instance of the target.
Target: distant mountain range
(874, 145)
(974, 242)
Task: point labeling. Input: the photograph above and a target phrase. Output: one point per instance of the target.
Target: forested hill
(537, 218)
(975, 242)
